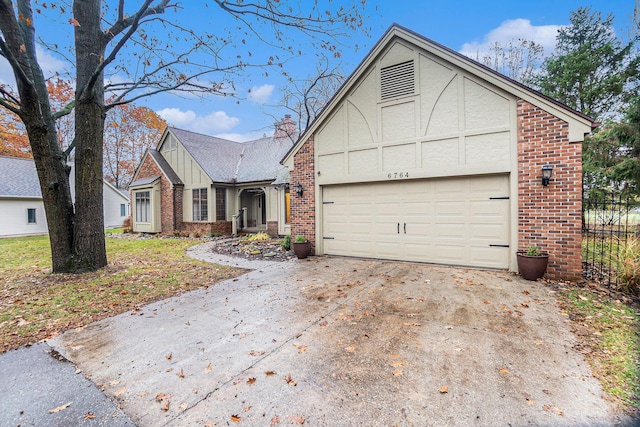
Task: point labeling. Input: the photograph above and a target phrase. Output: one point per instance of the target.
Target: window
(123, 209)
(143, 206)
(287, 205)
(221, 204)
(200, 204)
(31, 216)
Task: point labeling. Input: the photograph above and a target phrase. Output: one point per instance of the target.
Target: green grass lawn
(36, 304)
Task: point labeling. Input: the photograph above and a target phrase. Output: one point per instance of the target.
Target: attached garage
(425, 155)
(459, 221)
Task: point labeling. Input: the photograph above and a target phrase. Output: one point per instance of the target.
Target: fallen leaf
(181, 373)
(119, 392)
(531, 402)
(251, 381)
(207, 369)
(444, 389)
(60, 408)
(323, 323)
(247, 409)
(256, 353)
(546, 391)
(166, 406)
(397, 363)
(301, 348)
(183, 406)
(397, 373)
(210, 424)
(89, 416)
(275, 421)
(74, 22)
(169, 356)
(235, 418)
(289, 381)
(187, 323)
(160, 397)
(350, 349)
(487, 302)
(503, 371)
(268, 373)
(296, 419)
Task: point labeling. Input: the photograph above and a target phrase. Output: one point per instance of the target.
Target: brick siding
(549, 217)
(303, 209)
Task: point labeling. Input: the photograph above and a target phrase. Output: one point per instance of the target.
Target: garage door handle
(398, 228)
(405, 228)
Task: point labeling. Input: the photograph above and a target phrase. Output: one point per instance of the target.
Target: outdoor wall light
(299, 189)
(547, 170)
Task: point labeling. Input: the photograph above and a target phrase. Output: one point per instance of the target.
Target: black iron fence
(609, 221)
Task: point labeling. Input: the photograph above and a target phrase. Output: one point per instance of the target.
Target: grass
(608, 333)
(36, 304)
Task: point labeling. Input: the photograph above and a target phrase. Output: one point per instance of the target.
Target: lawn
(36, 304)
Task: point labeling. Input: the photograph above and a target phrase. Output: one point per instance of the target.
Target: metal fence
(608, 222)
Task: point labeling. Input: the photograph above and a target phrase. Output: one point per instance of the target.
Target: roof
(233, 162)
(144, 181)
(165, 167)
(460, 60)
(18, 178)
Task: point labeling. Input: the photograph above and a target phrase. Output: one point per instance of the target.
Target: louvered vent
(396, 81)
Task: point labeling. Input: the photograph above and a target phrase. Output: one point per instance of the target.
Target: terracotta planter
(532, 267)
(301, 249)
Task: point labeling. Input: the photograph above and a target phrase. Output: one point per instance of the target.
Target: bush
(126, 223)
(533, 251)
(629, 264)
(300, 239)
(197, 234)
(258, 237)
(286, 243)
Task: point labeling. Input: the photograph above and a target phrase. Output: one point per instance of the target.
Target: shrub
(300, 239)
(286, 243)
(629, 264)
(197, 234)
(258, 237)
(533, 251)
(126, 223)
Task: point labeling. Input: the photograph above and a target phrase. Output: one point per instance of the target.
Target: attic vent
(396, 81)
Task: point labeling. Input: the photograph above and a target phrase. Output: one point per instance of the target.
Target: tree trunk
(35, 113)
(89, 243)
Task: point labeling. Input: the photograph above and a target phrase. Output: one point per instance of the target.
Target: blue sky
(465, 26)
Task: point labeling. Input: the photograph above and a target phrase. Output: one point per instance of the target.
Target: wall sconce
(547, 170)
(299, 189)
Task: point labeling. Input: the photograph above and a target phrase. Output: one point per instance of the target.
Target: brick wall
(272, 228)
(148, 169)
(549, 217)
(303, 209)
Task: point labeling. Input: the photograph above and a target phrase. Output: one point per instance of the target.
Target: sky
(465, 26)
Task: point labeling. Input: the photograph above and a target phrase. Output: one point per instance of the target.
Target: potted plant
(301, 247)
(532, 263)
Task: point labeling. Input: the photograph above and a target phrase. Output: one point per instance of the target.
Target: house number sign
(398, 175)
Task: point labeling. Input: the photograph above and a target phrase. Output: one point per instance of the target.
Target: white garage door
(458, 221)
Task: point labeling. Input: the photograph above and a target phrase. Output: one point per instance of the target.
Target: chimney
(286, 128)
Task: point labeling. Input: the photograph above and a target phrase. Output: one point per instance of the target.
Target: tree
(128, 48)
(306, 98)
(591, 69)
(13, 138)
(129, 131)
(612, 155)
(518, 59)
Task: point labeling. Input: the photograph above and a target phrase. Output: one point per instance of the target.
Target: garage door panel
(450, 221)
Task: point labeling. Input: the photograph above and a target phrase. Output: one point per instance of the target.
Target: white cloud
(218, 121)
(261, 94)
(544, 35)
(50, 66)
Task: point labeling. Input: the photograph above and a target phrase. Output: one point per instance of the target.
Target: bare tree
(305, 98)
(517, 59)
(111, 39)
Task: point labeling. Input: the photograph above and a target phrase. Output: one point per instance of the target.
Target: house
(426, 155)
(21, 207)
(198, 183)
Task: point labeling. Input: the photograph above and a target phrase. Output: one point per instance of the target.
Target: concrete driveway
(345, 342)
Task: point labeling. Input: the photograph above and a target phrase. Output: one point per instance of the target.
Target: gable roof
(19, 178)
(579, 123)
(234, 162)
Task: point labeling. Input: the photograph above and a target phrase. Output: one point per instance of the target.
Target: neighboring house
(21, 207)
(198, 183)
(426, 155)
